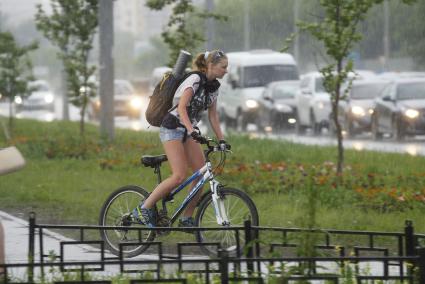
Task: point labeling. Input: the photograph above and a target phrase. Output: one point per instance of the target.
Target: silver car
(41, 98)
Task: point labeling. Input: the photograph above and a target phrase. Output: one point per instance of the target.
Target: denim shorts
(166, 134)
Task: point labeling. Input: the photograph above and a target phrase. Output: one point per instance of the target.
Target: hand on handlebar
(198, 137)
(224, 145)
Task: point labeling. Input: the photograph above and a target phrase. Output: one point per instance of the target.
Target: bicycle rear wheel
(239, 208)
(116, 211)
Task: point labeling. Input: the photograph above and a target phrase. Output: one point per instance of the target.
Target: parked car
(277, 110)
(355, 111)
(313, 104)
(249, 73)
(400, 110)
(41, 98)
(126, 101)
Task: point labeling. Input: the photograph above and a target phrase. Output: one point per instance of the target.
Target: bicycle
(220, 207)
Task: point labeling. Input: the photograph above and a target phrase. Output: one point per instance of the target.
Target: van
(248, 74)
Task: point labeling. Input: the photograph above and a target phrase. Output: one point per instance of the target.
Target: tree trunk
(340, 162)
(10, 121)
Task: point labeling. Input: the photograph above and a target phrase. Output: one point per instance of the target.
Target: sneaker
(187, 222)
(145, 216)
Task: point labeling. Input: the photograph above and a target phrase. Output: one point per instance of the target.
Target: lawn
(67, 180)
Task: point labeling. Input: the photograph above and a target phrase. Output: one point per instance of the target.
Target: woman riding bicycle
(179, 135)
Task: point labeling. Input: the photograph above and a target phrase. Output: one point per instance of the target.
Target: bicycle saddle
(153, 161)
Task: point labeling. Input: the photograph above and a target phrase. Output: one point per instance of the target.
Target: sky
(18, 11)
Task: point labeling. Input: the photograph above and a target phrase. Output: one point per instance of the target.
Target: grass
(66, 180)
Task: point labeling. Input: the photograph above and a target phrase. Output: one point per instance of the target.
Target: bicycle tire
(240, 208)
(116, 212)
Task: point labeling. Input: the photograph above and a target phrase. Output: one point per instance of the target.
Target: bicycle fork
(218, 203)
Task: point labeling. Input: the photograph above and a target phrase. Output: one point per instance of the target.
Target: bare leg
(177, 159)
(1, 247)
(196, 158)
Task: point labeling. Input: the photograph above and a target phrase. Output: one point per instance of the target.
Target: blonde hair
(201, 61)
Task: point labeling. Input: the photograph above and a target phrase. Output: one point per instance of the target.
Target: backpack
(161, 101)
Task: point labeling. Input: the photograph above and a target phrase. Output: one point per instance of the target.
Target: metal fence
(263, 254)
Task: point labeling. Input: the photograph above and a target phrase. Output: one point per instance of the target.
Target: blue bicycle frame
(205, 174)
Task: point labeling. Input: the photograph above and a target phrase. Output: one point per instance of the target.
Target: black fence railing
(262, 254)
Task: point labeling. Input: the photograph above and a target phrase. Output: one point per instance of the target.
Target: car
(248, 74)
(400, 110)
(277, 110)
(313, 104)
(404, 74)
(40, 98)
(126, 101)
(356, 109)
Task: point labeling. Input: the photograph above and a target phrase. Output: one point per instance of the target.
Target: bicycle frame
(205, 174)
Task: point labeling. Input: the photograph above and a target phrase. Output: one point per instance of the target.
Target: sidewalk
(17, 242)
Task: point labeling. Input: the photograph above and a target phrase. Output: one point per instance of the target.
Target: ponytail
(200, 63)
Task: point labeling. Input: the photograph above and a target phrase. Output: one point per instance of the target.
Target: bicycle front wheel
(116, 211)
(239, 207)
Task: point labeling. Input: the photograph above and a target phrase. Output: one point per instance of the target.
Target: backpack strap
(201, 85)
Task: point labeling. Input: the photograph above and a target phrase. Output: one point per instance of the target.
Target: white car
(41, 98)
(313, 104)
(242, 87)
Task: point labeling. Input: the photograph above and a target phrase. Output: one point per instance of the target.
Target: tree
(411, 35)
(72, 27)
(338, 31)
(15, 70)
(179, 35)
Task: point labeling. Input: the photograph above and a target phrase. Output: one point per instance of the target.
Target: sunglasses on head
(217, 55)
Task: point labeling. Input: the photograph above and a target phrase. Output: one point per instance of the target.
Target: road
(414, 146)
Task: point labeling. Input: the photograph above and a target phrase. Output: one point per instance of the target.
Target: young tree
(338, 31)
(15, 70)
(178, 35)
(72, 27)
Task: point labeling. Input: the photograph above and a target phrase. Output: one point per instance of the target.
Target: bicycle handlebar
(213, 146)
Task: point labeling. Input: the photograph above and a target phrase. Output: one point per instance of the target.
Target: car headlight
(411, 113)
(358, 111)
(18, 100)
(321, 104)
(136, 103)
(49, 98)
(251, 103)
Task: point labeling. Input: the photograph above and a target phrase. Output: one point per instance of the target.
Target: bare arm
(182, 110)
(215, 121)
